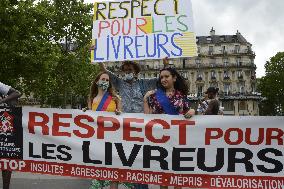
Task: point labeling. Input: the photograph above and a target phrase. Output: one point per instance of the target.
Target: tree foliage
(44, 49)
(272, 86)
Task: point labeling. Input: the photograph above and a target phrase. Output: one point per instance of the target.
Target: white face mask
(103, 85)
(128, 77)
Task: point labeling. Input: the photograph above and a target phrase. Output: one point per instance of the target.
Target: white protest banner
(142, 29)
(203, 152)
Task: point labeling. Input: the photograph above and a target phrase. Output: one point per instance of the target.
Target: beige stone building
(223, 61)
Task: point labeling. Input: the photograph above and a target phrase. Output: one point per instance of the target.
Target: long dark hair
(94, 88)
(180, 83)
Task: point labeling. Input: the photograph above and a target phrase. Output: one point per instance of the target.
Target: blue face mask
(128, 77)
(103, 85)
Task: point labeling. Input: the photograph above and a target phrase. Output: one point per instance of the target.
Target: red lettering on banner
(127, 129)
(182, 129)
(260, 139)
(32, 123)
(57, 124)
(101, 26)
(101, 126)
(272, 134)
(209, 134)
(227, 136)
(144, 176)
(278, 137)
(149, 131)
(90, 130)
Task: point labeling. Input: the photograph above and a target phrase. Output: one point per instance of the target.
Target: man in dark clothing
(9, 96)
(213, 102)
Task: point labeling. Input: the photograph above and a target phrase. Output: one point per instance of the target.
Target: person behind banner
(103, 98)
(213, 107)
(170, 97)
(9, 94)
(132, 89)
(9, 97)
(203, 105)
(102, 95)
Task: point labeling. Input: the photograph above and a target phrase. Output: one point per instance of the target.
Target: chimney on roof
(212, 32)
(238, 33)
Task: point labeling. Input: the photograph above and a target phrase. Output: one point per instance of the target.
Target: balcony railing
(228, 95)
(238, 94)
(193, 66)
(217, 65)
(230, 52)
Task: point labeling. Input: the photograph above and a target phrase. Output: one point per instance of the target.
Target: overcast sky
(261, 22)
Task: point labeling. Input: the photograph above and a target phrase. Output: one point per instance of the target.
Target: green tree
(35, 49)
(71, 26)
(272, 86)
(71, 22)
(22, 41)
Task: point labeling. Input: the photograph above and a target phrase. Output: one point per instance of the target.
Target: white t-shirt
(4, 89)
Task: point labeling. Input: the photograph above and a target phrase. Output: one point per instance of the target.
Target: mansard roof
(218, 39)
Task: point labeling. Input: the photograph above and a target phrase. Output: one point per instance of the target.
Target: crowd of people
(166, 94)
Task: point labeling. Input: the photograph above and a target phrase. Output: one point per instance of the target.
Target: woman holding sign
(103, 98)
(170, 97)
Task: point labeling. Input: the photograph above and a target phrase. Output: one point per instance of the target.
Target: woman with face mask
(103, 98)
(102, 95)
(132, 88)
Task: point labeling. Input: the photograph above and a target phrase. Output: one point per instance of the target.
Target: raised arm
(150, 84)
(102, 67)
(166, 62)
(114, 78)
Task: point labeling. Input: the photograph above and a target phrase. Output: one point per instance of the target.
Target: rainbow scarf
(104, 102)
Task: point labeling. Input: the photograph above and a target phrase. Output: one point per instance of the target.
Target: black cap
(212, 90)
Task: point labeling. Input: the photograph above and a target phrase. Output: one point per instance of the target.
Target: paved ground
(38, 181)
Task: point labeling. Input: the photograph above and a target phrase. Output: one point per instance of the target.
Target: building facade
(223, 61)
